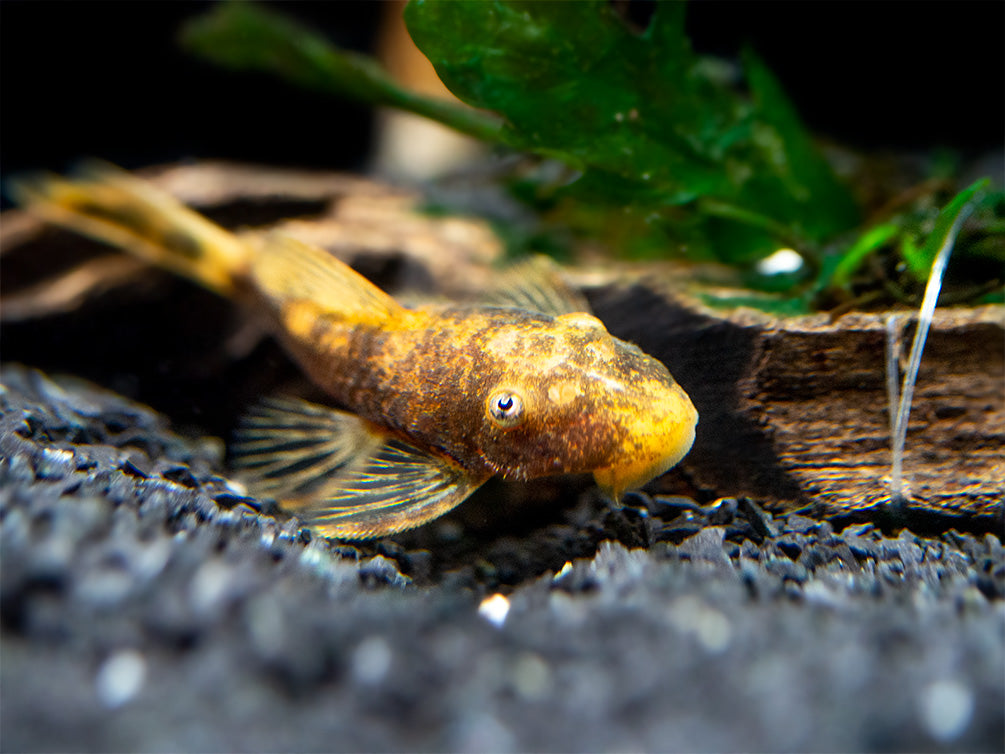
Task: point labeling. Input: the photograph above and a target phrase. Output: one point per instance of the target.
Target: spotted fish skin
(588, 396)
(439, 398)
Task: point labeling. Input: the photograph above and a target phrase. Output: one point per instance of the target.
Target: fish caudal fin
(341, 475)
(110, 205)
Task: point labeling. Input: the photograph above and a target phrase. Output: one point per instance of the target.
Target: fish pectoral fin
(290, 448)
(342, 475)
(536, 284)
(398, 487)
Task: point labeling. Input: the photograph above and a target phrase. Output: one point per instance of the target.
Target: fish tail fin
(108, 204)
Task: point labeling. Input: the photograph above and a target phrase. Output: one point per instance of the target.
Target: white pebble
(209, 586)
(120, 678)
(480, 732)
(494, 609)
(946, 709)
(783, 260)
(531, 677)
(710, 627)
(237, 487)
(371, 661)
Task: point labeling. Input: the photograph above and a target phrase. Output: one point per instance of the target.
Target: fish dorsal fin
(342, 475)
(536, 284)
(288, 271)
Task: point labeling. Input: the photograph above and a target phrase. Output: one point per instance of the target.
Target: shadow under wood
(794, 411)
(710, 358)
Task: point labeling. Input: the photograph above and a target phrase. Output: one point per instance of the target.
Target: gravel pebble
(148, 606)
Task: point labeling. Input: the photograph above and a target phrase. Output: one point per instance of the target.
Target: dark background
(108, 80)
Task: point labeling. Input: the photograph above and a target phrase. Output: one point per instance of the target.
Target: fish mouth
(658, 440)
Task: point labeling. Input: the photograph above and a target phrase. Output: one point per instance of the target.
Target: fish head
(570, 397)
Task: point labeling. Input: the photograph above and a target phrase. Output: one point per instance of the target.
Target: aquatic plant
(665, 152)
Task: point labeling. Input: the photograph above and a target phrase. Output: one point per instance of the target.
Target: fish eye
(505, 408)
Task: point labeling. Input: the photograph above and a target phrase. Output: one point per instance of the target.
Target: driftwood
(793, 411)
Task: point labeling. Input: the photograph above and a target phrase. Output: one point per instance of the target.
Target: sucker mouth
(674, 443)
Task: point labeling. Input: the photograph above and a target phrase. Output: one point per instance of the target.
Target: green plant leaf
(247, 36)
(914, 256)
(919, 259)
(636, 111)
(663, 156)
(802, 187)
(850, 261)
(783, 306)
(573, 82)
(637, 114)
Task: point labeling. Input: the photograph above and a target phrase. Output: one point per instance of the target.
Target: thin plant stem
(932, 289)
(892, 370)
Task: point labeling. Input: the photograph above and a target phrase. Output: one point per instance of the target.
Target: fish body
(438, 399)
(435, 375)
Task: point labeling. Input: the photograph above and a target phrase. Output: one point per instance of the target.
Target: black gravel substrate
(148, 606)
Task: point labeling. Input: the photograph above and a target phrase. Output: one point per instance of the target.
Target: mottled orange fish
(439, 398)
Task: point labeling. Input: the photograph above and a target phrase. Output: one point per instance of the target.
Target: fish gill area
(148, 605)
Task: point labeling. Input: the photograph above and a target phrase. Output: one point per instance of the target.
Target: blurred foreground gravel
(146, 606)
